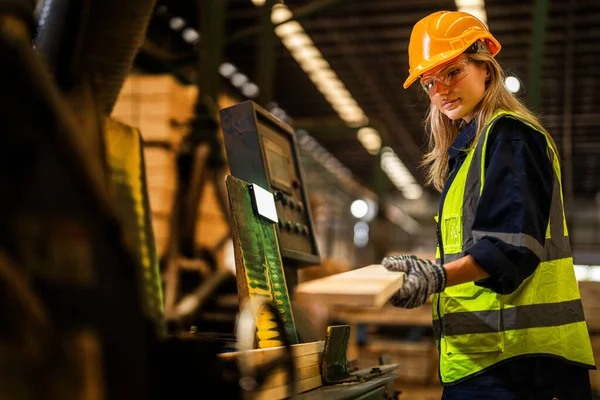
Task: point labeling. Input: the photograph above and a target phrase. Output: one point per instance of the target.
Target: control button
(289, 225)
(306, 232)
(299, 228)
(280, 223)
(292, 204)
(284, 199)
(277, 195)
(300, 206)
(295, 183)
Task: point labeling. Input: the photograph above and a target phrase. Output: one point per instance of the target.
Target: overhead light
(288, 28)
(250, 89)
(399, 174)
(322, 74)
(412, 191)
(306, 52)
(259, 3)
(469, 3)
(190, 35)
(296, 40)
(280, 13)
(361, 234)
(310, 65)
(370, 139)
(316, 67)
(474, 7)
(227, 69)
(176, 23)
(359, 208)
(512, 84)
(160, 10)
(322, 156)
(238, 79)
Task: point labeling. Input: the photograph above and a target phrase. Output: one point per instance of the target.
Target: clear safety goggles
(447, 76)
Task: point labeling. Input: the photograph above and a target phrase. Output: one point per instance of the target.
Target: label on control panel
(264, 202)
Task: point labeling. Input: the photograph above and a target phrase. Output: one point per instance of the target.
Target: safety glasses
(447, 76)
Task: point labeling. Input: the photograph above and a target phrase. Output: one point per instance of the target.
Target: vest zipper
(438, 233)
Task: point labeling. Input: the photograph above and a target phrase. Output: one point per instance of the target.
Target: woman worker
(507, 313)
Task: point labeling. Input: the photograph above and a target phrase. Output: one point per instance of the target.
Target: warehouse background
(333, 70)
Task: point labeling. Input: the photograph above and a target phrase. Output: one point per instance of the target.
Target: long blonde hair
(442, 130)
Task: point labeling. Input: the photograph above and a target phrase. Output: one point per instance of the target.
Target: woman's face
(457, 98)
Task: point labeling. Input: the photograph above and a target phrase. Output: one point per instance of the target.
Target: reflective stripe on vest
(475, 327)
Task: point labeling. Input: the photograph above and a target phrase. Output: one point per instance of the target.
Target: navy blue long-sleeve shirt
(515, 199)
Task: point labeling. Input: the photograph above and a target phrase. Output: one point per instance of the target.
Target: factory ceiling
(552, 47)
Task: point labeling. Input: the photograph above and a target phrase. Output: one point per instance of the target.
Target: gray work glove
(422, 280)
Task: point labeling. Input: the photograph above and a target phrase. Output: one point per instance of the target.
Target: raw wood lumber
(303, 353)
(280, 377)
(159, 105)
(283, 392)
(369, 286)
(307, 361)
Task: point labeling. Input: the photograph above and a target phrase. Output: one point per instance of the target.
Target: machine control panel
(261, 149)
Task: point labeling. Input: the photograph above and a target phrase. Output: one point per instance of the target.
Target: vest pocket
(452, 233)
(468, 333)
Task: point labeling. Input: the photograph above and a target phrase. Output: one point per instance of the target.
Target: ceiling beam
(299, 13)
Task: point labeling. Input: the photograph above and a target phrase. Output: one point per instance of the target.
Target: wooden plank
(283, 392)
(280, 377)
(299, 352)
(369, 286)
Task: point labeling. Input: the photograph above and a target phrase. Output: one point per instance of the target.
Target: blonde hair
(442, 130)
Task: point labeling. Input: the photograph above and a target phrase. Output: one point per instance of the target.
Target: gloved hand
(422, 280)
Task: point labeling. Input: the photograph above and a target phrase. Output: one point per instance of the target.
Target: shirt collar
(464, 139)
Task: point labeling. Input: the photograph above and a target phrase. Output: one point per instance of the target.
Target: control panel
(262, 150)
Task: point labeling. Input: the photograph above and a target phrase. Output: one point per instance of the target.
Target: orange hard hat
(441, 37)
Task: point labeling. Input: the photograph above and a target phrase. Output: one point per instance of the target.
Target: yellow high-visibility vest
(476, 328)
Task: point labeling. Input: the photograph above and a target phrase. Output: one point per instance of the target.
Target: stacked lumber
(307, 360)
(369, 286)
(162, 185)
(160, 107)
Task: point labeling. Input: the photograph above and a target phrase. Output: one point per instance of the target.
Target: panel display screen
(279, 166)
